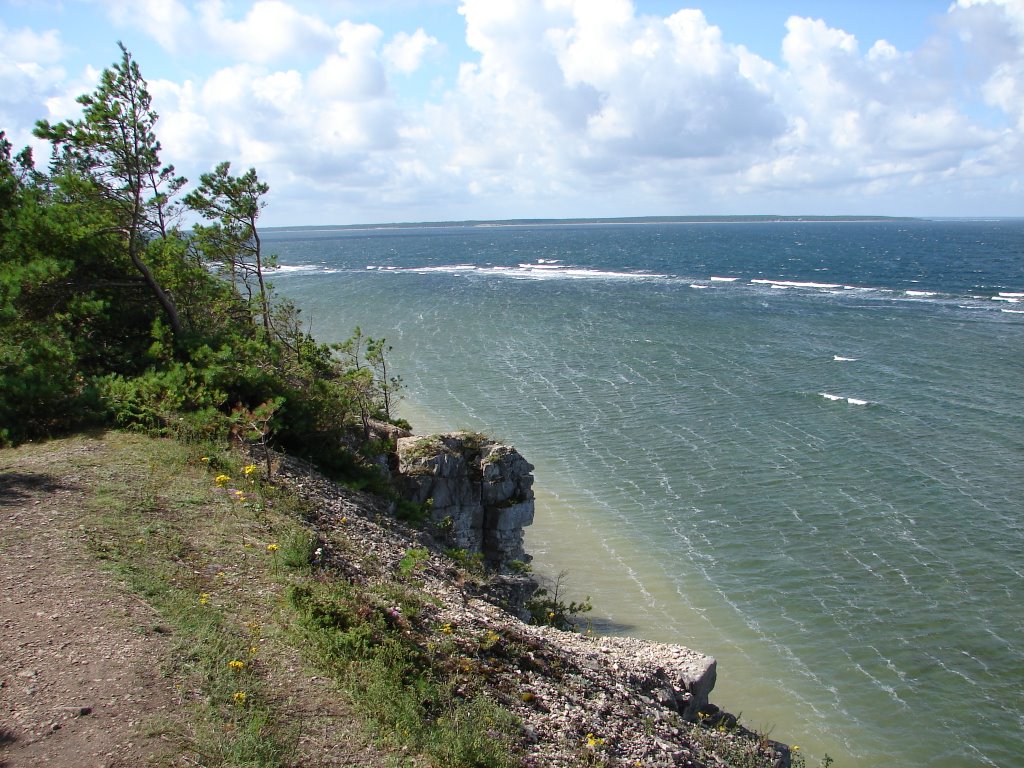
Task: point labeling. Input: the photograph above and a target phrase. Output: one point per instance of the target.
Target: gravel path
(79, 658)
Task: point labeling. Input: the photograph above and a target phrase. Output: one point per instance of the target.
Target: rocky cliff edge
(581, 699)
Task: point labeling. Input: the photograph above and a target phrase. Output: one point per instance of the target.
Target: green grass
(232, 575)
(160, 523)
(373, 643)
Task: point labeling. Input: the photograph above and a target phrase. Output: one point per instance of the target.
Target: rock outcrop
(479, 492)
(581, 699)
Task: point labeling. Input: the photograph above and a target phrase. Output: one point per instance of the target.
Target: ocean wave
(841, 359)
(795, 284)
(555, 269)
(548, 270)
(298, 269)
(850, 400)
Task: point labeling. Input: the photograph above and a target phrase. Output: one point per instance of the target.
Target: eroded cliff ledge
(479, 492)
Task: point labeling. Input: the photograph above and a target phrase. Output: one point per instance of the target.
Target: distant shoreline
(484, 223)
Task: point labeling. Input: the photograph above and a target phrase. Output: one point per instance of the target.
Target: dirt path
(80, 659)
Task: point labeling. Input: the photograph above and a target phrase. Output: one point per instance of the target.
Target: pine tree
(112, 156)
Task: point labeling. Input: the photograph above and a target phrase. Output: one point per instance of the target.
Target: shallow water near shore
(795, 447)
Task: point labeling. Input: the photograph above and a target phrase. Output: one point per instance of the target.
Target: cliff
(479, 492)
(579, 697)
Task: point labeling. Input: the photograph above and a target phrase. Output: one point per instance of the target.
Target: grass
(234, 573)
(371, 642)
(159, 521)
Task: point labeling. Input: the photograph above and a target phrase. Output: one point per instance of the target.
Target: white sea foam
(1012, 295)
(698, 285)
(837, 398)
(841, 359)
(446, 269)
(923, 294)
(1007, 298)
(546, 271)
(724, 279)
(794, 284)
(296, 269)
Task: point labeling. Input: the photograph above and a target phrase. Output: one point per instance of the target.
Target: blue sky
(415, 110)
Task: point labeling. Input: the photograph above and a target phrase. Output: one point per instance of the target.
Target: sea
(796, 446)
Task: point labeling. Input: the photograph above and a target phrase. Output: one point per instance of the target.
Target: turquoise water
(796, 447)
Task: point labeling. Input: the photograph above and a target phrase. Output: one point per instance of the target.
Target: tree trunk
(161, 296)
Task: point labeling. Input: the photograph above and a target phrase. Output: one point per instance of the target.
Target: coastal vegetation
(111, 312)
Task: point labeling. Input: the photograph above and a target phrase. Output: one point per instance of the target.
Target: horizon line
(723, 218)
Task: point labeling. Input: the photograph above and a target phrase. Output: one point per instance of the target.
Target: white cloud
(863, 121)
(354, 72)
(166, 21)
(993, 34)
(269, 31)
(406, 52)
(26, 45)
(565, 107)
(30, 76)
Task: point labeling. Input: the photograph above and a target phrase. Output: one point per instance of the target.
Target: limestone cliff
(479, 491)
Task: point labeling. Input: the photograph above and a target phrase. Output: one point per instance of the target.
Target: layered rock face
(480, 492)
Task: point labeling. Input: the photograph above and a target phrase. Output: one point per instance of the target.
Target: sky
(379, 111)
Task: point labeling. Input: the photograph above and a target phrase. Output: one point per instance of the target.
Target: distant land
(761, 218)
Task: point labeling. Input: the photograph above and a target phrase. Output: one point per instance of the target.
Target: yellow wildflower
(204, 598)
(490, 638)
(593, 742)
(272, 547)
(249, 469)
(447, 628)
(238, 697)
(222, 480)
(344, 520)
(253, 650)
(236, 665)
(205, 459)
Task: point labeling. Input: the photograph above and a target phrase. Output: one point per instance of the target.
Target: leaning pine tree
(113, 154)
